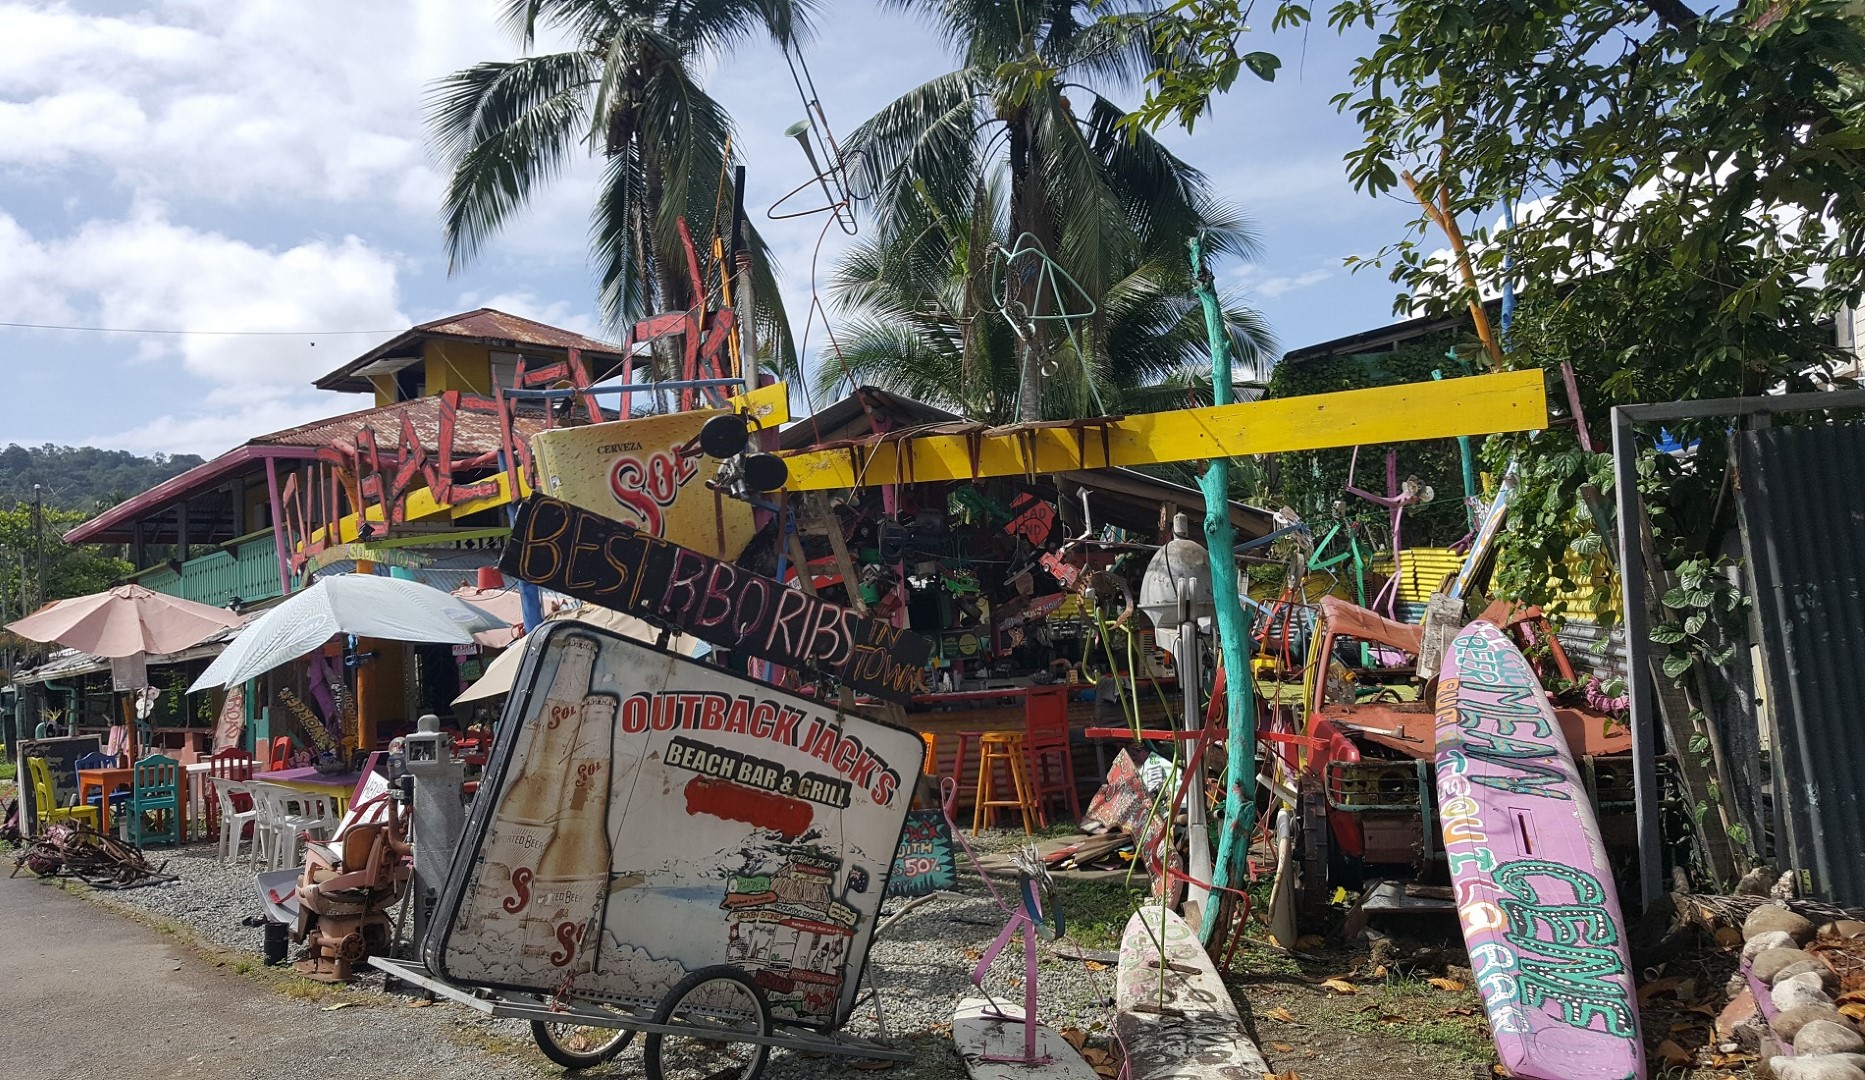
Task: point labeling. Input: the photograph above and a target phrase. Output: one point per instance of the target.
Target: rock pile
(1799, 1030)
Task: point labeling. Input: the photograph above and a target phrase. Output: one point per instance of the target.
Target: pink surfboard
(1534, 891)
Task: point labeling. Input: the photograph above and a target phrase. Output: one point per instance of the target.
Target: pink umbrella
(124, 621)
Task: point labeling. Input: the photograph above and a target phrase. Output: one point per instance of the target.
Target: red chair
(280, 757)
(1046, 740)
(232, 763)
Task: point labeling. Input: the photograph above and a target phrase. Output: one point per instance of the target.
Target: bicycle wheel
(720, 1005)
(580, 1046)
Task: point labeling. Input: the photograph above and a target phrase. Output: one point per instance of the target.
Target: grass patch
(1412, 1011)
(1097, 911)
(8, 771)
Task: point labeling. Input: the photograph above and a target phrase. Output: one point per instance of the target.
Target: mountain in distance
(83, 478)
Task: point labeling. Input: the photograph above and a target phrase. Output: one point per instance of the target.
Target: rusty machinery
(1367, 805)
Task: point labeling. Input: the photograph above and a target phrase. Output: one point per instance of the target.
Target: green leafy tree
(1015, 162)
(628, 92)
(70, 569)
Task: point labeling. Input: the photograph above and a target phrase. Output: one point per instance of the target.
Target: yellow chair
(45, 800)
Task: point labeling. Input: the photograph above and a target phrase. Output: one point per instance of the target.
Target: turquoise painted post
(1233, 624)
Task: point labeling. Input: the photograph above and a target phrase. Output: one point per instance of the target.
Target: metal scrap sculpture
(79, 851)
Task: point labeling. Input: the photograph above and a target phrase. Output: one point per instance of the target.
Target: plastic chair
(102, 761)
(234, 819)
(285, 817)
(45, 799)
(1006, 748)
(232, 763)
(1052, 759)
(155, 792)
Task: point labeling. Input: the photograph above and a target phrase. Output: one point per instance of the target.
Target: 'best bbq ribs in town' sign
(602, 561)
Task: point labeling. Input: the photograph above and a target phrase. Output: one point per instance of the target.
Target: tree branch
(1673, 13)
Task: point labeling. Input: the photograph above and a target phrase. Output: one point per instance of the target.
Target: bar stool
(965, 739)
(1006, 747)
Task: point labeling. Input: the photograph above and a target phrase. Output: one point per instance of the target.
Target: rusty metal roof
(473, 432)
(484, 325)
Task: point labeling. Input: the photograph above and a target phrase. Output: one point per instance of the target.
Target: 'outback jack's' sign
(604, 562)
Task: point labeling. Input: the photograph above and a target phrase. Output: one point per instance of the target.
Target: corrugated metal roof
(70, 663)
(1804, 512)
(485, 325)
(473, 432)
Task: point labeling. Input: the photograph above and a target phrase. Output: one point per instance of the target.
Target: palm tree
(992, 178)
(926, 303)
(626, 90)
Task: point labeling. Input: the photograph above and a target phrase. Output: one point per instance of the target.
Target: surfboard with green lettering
(1534, 890)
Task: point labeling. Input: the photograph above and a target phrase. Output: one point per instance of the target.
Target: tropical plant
(1023, 230)
(926, 321)
(627, 91)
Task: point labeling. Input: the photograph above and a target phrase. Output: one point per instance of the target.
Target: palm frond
(505, 128)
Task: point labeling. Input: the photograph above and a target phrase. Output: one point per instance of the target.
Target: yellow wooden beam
(1477, 405)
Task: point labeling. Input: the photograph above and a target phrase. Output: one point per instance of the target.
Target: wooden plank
(1478, 405)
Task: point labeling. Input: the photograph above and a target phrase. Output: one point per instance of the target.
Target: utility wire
(213, 333)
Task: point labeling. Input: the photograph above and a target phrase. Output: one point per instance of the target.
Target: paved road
(85, 993)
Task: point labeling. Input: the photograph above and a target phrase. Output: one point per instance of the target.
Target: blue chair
(103, 761)
(155, 795)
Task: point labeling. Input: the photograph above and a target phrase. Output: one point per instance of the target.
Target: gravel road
(922, 965)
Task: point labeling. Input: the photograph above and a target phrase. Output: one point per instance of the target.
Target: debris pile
(79, 851)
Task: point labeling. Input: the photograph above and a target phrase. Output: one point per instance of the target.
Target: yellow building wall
(457, 365)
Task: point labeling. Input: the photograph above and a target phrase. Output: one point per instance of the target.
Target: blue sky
(206, 165)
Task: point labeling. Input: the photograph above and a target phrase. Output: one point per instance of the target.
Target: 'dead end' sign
(599, 560)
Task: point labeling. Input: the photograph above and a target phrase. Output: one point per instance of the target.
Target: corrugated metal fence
(1802, 492)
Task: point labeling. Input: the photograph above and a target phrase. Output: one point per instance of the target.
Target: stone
(1773, 939)
(1788, 1024)
(1766, 965)
(1829, 979)
(1794, 991)
(1827, 1037)
(1816, 1068)
(1741, 1008)
(1770, 917)
(1842, 929)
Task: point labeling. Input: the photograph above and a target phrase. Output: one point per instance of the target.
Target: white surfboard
(982, 1029)
(1175, 1018)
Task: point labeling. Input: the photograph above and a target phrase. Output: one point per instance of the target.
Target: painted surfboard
(981, 1031)
(1174, 1015)
(1534, 891)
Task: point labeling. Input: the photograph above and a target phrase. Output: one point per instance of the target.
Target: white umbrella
(362, 604)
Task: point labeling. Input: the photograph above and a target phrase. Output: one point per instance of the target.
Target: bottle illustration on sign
(573, 872)
(526, 820)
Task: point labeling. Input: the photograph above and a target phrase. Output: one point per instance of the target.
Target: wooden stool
(965, 739)
(1052, 758)
(1005, 747)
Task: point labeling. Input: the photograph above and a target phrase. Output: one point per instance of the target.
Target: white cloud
(146, 271)
(260, 101)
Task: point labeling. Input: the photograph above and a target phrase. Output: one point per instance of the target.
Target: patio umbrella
(395, 609)
(125, 621)
(502, 604)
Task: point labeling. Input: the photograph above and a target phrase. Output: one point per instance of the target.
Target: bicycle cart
(667, 848)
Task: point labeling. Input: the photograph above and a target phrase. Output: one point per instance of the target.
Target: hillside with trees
(83, 478)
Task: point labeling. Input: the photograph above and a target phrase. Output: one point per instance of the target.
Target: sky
(261, 165)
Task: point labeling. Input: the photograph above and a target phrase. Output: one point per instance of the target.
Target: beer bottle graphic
(526, 819)
(573, 872)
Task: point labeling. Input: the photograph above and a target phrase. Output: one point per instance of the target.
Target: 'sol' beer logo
(648, 487)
